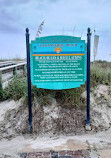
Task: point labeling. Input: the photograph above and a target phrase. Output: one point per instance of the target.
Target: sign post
(57, 63)
(29, 80)
(88, 80)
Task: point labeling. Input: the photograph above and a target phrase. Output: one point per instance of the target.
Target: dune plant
(100, 74)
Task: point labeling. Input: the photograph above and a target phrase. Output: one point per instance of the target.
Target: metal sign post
(88, 80)
(58, 62)
(29, 80)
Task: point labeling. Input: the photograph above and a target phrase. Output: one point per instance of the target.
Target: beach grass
(100, 74)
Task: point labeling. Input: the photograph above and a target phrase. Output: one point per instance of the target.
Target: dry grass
(100, 74)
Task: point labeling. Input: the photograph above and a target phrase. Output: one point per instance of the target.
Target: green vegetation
(16, 89)
(100, 74)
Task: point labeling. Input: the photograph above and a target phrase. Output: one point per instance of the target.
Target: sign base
(88, 128)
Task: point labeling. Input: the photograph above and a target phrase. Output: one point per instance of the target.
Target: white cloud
(58, 14)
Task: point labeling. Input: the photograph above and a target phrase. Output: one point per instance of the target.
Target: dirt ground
(13, 117)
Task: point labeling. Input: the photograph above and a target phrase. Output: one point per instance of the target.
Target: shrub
(16, 89)
(100, 74)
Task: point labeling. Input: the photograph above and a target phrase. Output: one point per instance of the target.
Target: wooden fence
(8, 70)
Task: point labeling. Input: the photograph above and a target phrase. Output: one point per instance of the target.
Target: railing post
(15, 71)
(24, 69)
(29, 79)
(1, 88)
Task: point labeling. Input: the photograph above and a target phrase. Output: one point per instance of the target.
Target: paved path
(79, 146)
(62, 154)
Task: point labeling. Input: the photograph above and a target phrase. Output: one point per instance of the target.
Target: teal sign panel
(58, 62)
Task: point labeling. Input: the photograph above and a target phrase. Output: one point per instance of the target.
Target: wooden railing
(8, 70)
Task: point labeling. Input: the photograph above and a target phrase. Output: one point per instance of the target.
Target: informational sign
(58, 62)
(96, 42)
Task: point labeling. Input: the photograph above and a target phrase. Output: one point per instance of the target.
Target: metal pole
(1, 88)
(94, 50)
(29, 80)
(94, 61)
(88, 77)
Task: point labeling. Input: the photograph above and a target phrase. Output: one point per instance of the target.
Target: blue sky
(61, 17)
